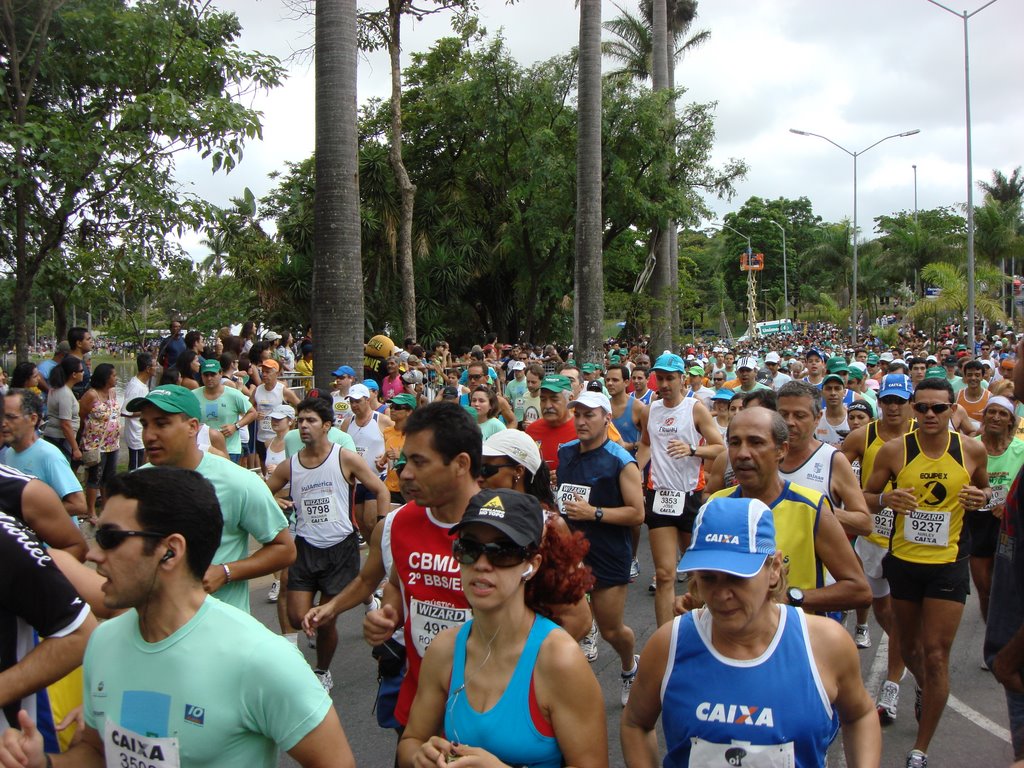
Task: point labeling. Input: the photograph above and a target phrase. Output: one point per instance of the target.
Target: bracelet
(227, 573)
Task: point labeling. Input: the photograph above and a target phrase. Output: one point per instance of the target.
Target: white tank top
(322, 496)
(664, 424)
(816, 472)
(203, 438)
(266, 401)
(369, 440)
(275, 457)
(833, 435)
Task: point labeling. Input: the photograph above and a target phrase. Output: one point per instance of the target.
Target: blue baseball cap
(731, 535)
(724, 394)
(669, 362)
(344, 370)
(371, 384)
(898, 384)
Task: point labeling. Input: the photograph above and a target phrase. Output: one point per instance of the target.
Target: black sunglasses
(935, 408)
(490, 470)
(503, 554)
(111, 538)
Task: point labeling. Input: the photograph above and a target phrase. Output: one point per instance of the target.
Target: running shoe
(862, 636)
(324, 676)
(589, 643)
(627, 680)
(654, 585)
(275, 592)
(917, 709)
(634, 570)
(888, 700)
(917, 759)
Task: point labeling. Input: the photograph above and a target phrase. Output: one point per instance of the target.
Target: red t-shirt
(431, 582)
(549, 439)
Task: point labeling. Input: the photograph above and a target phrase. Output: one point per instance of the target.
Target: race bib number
(123, 748)
(998, 498)
(265, 424)
(706, 754)
(669, 503)
(881, 522)
(319, 511)
(928, 528)
(568, 492)
(428, 620)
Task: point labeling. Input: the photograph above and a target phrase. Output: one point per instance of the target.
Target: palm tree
(951, 303)
(1002, 189)
(635, 43)
(662, 288)
(337, 260)
(589, 306)
(832, 255)
(909, 247)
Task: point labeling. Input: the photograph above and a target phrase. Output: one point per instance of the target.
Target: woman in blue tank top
(508, 685)
(747, 680)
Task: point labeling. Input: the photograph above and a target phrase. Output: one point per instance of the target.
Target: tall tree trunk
(337, 293)
(589, 270)
(662, 331)
(406, 189)
(673, 240)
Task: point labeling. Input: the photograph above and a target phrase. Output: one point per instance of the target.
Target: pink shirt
(391, 387)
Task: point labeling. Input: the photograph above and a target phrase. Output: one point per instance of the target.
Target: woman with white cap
(508, 687)
(747, 680)
(511, 459)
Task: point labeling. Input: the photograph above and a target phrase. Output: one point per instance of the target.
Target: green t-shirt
(226, 409)
(293, 442)
(957, 384)
(491, 427)
(248, 508)
(231, 691)
(516, 392)
(1004, 468)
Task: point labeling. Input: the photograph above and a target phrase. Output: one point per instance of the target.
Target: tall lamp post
(970, 170)
(855, 155)
(785, 278)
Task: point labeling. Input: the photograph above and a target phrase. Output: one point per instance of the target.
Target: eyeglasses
(111, 538)
(502, 554)
(935, 408)
(490, 470)
(719, 378)
(474, 375)
(891, 400)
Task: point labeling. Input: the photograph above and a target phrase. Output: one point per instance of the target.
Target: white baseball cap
(772, 357)
(516, 445)
(358, 392)
(282, 411)
(516, 365)
(588, 399)
(747, 362)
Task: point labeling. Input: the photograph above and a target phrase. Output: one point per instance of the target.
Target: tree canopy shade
(98, 97)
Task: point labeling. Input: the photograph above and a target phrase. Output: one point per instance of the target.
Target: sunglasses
(935, 408)
(718, 378)
(891, 400)
(503, 554)
(490, 470)
(111, 538)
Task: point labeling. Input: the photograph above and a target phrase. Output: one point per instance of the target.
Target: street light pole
(970, 170)
(785, 278)
(915, 192)
(855, 155)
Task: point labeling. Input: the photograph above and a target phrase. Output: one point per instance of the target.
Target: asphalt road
(972, 731)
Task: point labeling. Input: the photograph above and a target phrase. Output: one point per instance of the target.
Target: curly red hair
(562, 577)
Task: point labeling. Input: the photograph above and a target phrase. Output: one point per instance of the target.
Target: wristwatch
(598, 514)
(795, 596)
(693, 449)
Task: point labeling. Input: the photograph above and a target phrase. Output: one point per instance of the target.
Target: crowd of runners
(484, 509)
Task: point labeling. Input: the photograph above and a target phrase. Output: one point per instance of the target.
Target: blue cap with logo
(731, 535)
(897, 384)
(669, 362)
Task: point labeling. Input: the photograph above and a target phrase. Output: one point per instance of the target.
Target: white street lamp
(855, 155)
(970, 175)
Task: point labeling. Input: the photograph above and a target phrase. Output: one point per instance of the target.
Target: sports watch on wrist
(693, 449)
(598, 514)
(795, 596)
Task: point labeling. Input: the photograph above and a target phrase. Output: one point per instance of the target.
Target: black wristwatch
(693, 449)
(795, 596)
(598, 514)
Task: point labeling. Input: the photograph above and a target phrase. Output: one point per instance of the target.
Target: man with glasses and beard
(939, 476)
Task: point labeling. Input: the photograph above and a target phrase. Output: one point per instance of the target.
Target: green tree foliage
(632, 44)
(909, 242)
(951, 304)
(98, 98)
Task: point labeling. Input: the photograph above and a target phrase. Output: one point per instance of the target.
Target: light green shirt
(226, 409)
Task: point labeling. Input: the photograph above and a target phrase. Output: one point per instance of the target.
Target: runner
(223, 408)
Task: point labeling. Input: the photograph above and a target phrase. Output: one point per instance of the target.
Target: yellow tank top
(881, 522)
(796, 512)
(931, 534)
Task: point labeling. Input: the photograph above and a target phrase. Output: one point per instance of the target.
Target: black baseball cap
(517, 515)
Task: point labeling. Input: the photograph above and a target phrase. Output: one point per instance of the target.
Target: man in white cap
(366, 428)
(515, 388)
(746, 371)
(1005, 459)
(678, 434)
(600, 493)
(778, 378)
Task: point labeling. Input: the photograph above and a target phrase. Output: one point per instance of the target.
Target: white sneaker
(917, 759)
(654, 585)
(888, 700)
(634, 570)
(589, 643)
(627, 681)
(324, 676)
(275, 592)
(862, 636)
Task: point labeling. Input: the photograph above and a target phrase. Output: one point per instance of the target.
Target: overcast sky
(854, 71)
